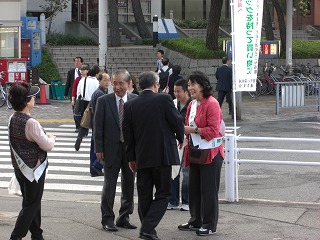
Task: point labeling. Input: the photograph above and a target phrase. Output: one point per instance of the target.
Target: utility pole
(289, 33)
(103, 33)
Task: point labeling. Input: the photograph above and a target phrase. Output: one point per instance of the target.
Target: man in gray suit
(151, 126)
(110, 149)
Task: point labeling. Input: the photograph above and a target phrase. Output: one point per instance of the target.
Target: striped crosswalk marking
(68, 169)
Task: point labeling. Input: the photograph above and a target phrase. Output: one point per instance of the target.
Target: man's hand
(100, 156)
(132, 166)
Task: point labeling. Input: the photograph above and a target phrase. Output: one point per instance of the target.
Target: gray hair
(148, 79)
(124, 72)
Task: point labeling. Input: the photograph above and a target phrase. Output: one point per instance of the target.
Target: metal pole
(103, 33)
(155, 30)
(43, 28)
(229, 167)
(289, 33)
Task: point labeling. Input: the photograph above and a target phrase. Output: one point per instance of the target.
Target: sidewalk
(75, 216)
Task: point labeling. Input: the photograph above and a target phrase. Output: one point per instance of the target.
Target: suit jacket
(224, 78)
(107, 127)
(151, 126)
(69, 82)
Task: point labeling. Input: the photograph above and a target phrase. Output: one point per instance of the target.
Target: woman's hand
(49, 135)
(188, 130)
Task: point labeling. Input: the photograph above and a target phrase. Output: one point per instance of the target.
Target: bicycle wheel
(257, 92)
(9, 106)
(2, 98)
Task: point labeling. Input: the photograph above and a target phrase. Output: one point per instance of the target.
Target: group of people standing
(141, 134)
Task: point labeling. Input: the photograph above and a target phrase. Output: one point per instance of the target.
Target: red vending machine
(15, 69)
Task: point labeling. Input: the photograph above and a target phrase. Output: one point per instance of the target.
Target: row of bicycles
(4, 93)
(306, 75)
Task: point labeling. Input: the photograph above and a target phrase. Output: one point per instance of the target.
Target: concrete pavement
(275, 202)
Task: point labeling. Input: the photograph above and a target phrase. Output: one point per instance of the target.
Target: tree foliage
(51, 9)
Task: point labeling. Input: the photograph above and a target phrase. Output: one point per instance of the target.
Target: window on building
(9, 42)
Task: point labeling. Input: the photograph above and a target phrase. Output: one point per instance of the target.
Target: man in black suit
(224, 83)
(110, 149)
(71, 76)
(151, 126)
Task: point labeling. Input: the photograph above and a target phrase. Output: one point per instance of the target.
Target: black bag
(81, 104)
(196, 155)
(163, 78)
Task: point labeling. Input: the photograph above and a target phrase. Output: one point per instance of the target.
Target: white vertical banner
(247, 23)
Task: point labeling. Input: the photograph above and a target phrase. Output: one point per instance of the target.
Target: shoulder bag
(196, 155)
(87, 117)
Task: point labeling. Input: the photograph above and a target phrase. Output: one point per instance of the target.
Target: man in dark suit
(71, 76)
(151, 126)
(110, 149)
(224, 83)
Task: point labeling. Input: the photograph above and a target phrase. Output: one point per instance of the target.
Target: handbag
(166, 89)
(14, 187)
(196, 155)
(86, 118)
(81, 104)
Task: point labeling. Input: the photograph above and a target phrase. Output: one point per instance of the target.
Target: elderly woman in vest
(28, 145)
(202, 128)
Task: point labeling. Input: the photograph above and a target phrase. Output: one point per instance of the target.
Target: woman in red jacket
(202, 126)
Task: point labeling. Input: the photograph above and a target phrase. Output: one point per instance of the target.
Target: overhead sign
(268, 49)
(247, 23)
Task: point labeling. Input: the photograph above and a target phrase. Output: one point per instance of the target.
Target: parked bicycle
(4, 93)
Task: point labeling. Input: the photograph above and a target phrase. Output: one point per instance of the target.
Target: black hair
(176, 69)
(81, 59)
(182, 83)
(94, 70)
(161, 51)
(165, 61)
(203, 80)
(224, 60)
(148, 79)
(18, 95)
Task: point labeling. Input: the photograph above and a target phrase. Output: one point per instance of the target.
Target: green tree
(51, 8)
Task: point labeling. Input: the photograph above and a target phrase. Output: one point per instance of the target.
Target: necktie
(121, 118)
(79, 73)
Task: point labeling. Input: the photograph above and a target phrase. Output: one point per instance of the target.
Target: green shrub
(191, 23)
(58, 39)
(47, 69)
(305, 49)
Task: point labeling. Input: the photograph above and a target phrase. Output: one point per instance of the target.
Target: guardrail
(232, 162)
(295, 93)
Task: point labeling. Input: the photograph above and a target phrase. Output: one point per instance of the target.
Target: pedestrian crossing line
(68, 139)
(51, 176)
(69, 187)
(55, 168)
(65, 134)
(57, 154)
(56, 149)
(54, 160)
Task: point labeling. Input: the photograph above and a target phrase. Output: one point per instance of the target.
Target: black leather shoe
(77, 145)
(110, 228)
(96, 172)
(126, 225)
(187, 227)
(148, 236)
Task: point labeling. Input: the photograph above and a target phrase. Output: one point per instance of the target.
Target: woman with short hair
(202, 127)
(29, 144)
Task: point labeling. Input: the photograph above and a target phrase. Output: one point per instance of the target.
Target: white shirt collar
(125, 98)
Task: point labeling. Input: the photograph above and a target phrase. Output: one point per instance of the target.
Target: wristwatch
(196, 130)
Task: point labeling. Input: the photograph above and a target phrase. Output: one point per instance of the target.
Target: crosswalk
(68, 170)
